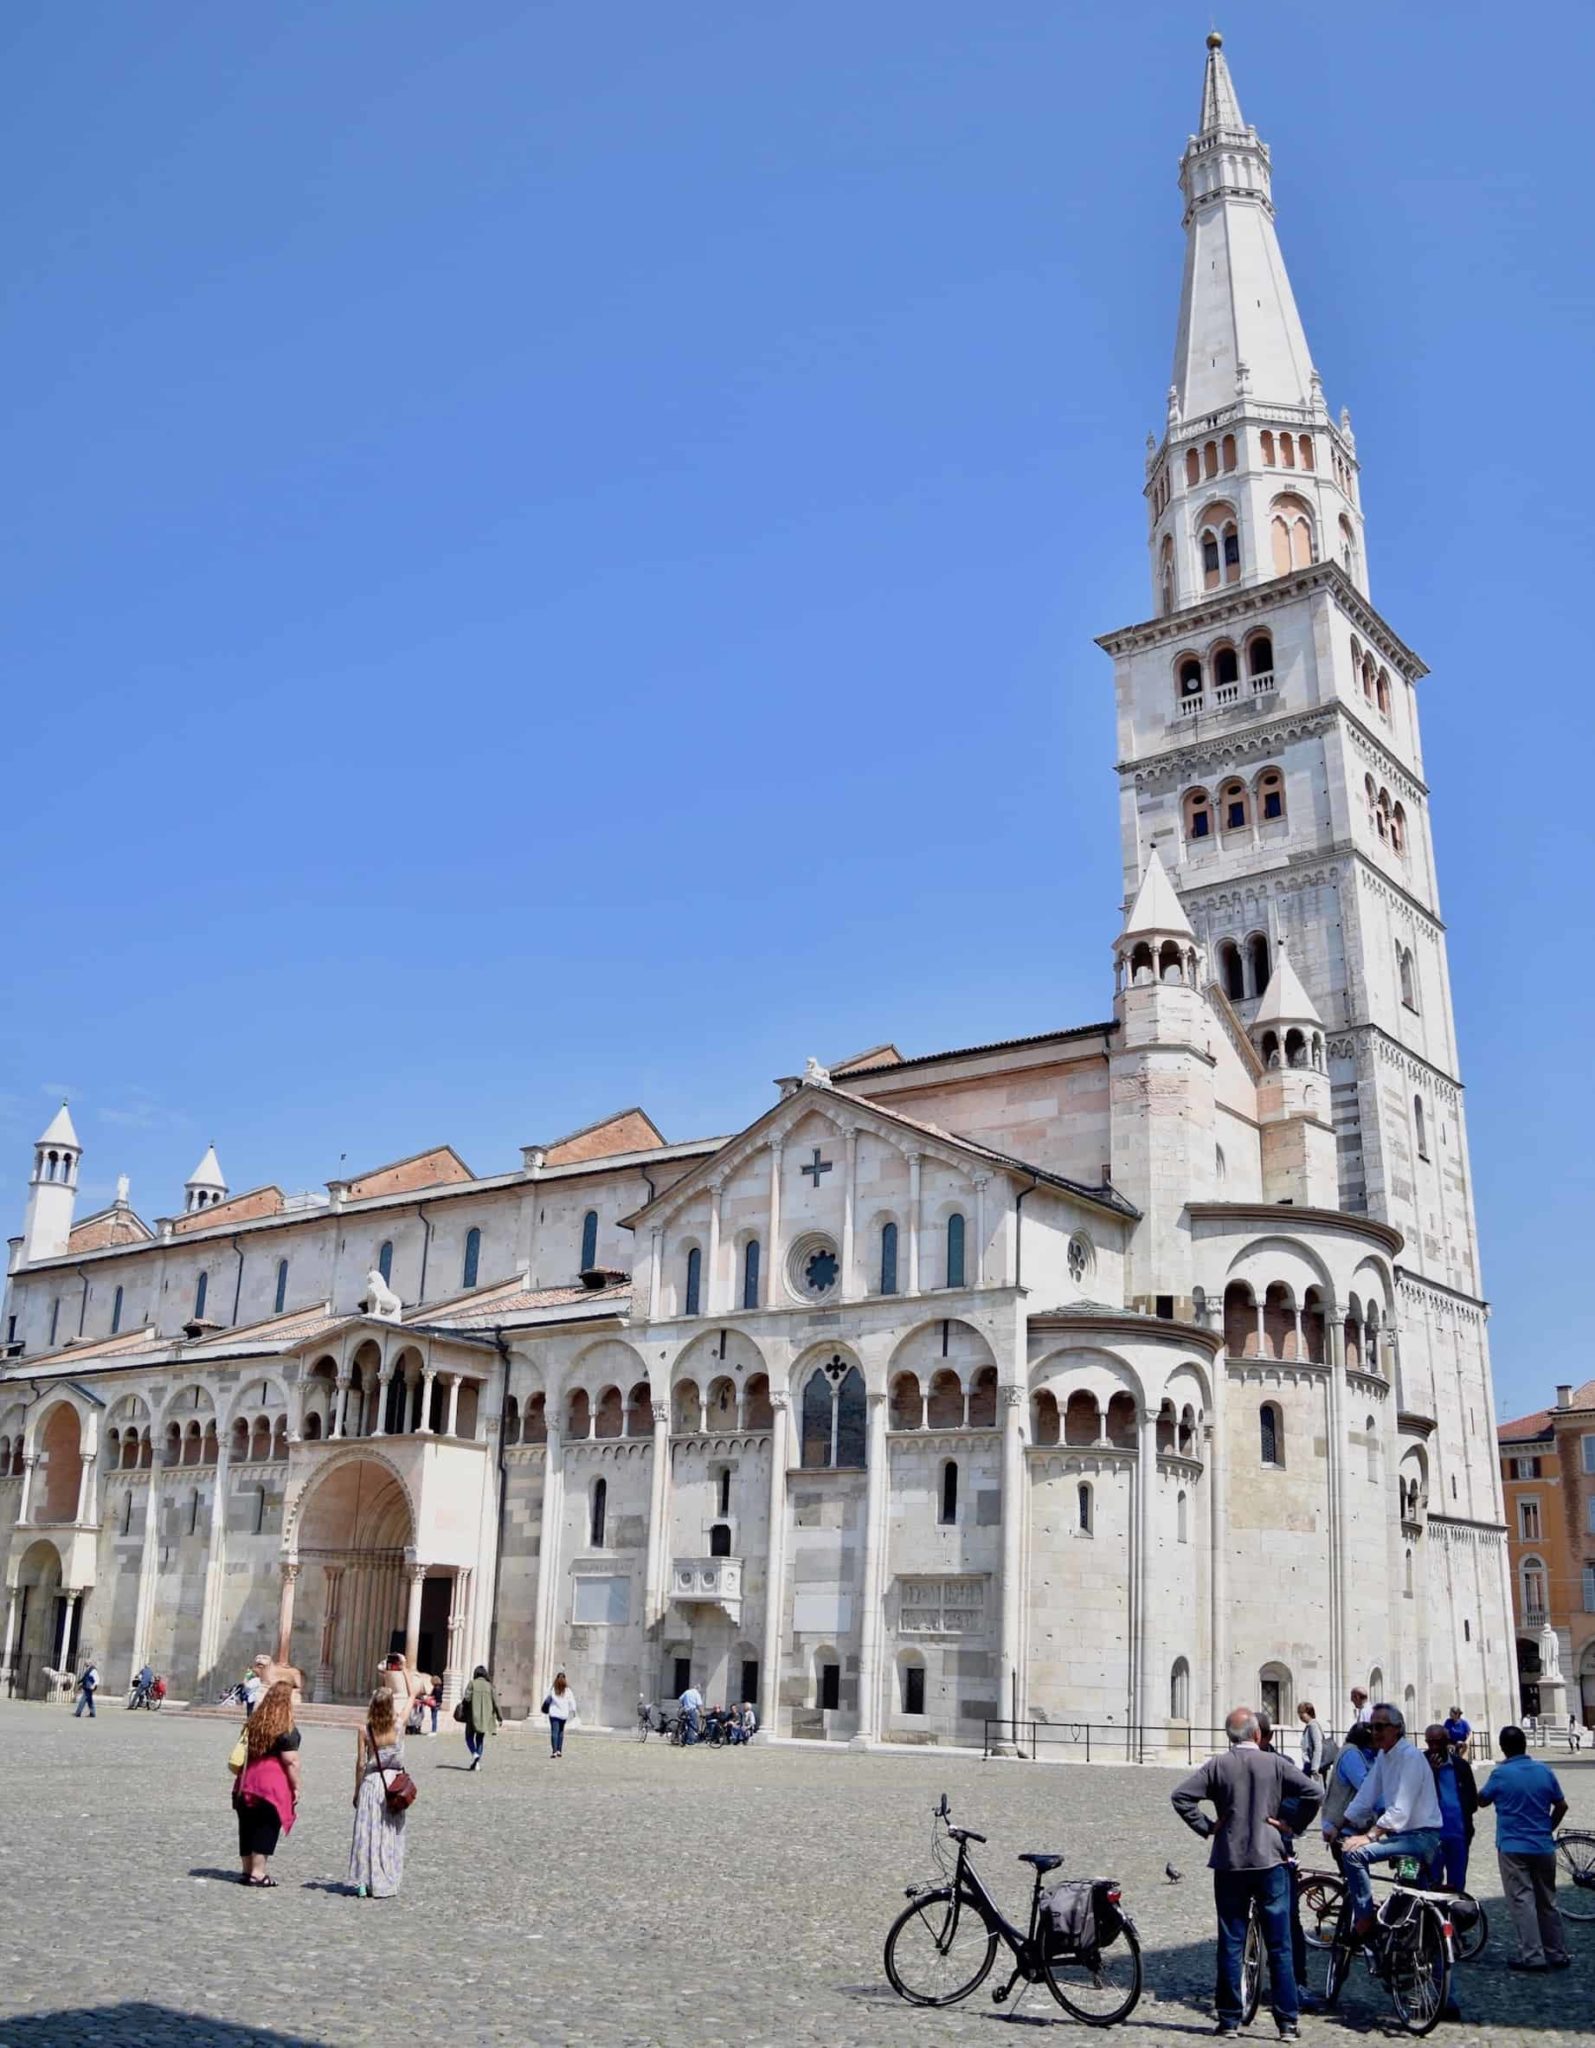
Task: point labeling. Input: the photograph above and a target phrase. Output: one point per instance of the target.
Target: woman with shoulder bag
(266, 1790)
(482, 1716)
(383, 1793)
(560, 1707)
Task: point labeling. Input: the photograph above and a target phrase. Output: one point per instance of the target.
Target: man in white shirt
(691, 1704)
(1396, 1811)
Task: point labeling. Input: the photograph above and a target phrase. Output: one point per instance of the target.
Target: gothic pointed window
(1291, 531)
(1166, 572)
(1398, 831)
(473, 1258)
(888, 1258)
(116, 1312)
(955, 1251)
(1420, 1126)
(750, 1273)
(385, 1261)
(589, 1251)
(949, 1493)
(1232, 555)
(1270, 1435)
(693, 1302)
(599, 1514)
(1210, 560)
(833, 1417)
(1409, 991)
(201, 1289)
(280, 1297)
(1083, 1510)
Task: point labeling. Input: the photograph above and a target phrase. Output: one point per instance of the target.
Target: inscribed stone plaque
(822, 1612)
(602, 1601)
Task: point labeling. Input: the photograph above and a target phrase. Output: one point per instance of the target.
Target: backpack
(1328, 1757)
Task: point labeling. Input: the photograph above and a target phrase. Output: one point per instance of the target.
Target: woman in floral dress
(376, 1854)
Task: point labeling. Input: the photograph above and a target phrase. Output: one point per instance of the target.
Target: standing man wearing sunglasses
(1396, 1811)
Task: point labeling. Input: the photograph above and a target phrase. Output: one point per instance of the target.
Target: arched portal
(61, 1441)
(351, 1532)
(40, 1613)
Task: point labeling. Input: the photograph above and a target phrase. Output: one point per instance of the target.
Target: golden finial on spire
(1214, 40)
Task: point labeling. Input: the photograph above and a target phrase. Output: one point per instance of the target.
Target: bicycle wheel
(1338, 1971)
(1575, 1854)
(1320, 1898)
(642, 1731)
(1470, 1929)
(1101, 1988)
(1251, 1968)
(1419, 1962)
(939, 1950)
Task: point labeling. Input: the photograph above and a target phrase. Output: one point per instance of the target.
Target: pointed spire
(1240, 334)
(1220, 107)
(1285, 1001)
(208, 1173)
(1156, 907)
(59, 1130)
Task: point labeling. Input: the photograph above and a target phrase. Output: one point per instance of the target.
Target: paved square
(629, 1895)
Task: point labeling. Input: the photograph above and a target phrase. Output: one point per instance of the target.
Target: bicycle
(1315, 1901)
(941, 1947)
(1575, 1853)
(1408, 1949)
(1470, 1925)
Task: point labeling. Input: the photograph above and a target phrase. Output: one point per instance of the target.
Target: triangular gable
(439, 1168)
(869, 1062)
(628, 1130)
(108, 1228)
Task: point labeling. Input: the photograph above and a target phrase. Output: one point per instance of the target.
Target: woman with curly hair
(376, 1854)
(266, 1790)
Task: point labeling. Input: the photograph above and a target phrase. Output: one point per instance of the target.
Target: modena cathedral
(1106, 1375)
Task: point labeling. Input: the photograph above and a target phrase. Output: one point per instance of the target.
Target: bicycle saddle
(1043, 1863)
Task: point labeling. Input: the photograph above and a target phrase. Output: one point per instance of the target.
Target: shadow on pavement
(138, 2026)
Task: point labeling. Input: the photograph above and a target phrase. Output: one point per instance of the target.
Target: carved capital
(780, 1401)
(290, 1571)
(1012, 1397)
(661, 1411)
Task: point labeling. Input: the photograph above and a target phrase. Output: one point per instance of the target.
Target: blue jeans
(85, 1699)
(474, 1741)
(1419, 1842)
(1447, 1868)
(556, 1732)
(1233, 1893)
(691, 1719)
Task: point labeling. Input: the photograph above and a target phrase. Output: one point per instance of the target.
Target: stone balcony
(707, 1581)
(1226, 696)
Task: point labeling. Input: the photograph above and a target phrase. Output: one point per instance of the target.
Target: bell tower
(52, 1189)
(1269, 755)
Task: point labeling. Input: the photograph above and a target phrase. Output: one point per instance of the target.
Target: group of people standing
(1376, 1799)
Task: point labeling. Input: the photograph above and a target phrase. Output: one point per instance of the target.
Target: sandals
(261, 1884)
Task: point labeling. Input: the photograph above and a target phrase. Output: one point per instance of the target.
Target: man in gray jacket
(1247, 1788)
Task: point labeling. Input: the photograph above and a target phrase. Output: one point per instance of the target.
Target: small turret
(206, 1185)
(1157, 948)
(1293, 1103)
(52, 1189)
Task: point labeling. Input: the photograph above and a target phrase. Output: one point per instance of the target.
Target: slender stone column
(548, 1566)
(412, 1616)
(428, 1375)
(86, 1501)
(63, 1648)
(915, 1177)
(657, 1565)
(384, 1379)
(7, 1653)
(210, 1620)
(775, 1567)
(872, 1587)
(849, 1209)
(1217, 1480)
(653, 1276)
(978, 1268)
(28, 1464)
(773, 1265)
(712, 1293)
(459, 1607)
(1011, 1700)
(1335, 1421)
(329, 1631)
(285, 1612)
(1145, 1489)
(340, 1400)
(148, 1558)
(451, 1426)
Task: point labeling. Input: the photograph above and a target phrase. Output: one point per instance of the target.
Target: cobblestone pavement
(628, 1896)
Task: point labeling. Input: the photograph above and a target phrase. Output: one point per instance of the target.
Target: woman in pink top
(266, 1790)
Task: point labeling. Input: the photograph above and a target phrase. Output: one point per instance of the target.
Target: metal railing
(1103, 1742)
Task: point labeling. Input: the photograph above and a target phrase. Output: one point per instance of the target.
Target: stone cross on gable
(816, 1167)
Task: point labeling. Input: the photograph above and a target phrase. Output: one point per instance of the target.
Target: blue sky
(553, 553)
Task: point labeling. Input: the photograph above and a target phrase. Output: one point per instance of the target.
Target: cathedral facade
(1106, 1375)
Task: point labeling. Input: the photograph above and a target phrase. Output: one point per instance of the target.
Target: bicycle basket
(1068, 1917)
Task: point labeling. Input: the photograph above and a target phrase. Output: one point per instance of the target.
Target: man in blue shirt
(1528, 1806)
(1457, 1729)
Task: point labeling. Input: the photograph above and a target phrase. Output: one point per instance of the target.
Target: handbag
(238, 1755)
(459, 1710)
(399, 1790)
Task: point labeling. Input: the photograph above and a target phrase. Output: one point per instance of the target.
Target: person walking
(88, 1686)
(376, 1851)
(1459, 1801)
(1396, 1812)
(482, 1717)
(1312, 1739)
(1247, 1786)
(433, 1701)
(1529, 1807)
(1360, 1709)
(266, 1790)
(560, 1707)
(1575, 1733)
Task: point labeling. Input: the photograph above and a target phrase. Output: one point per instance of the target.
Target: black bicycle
(944, 1942)
(1575, 1892)
(1408, 1949)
